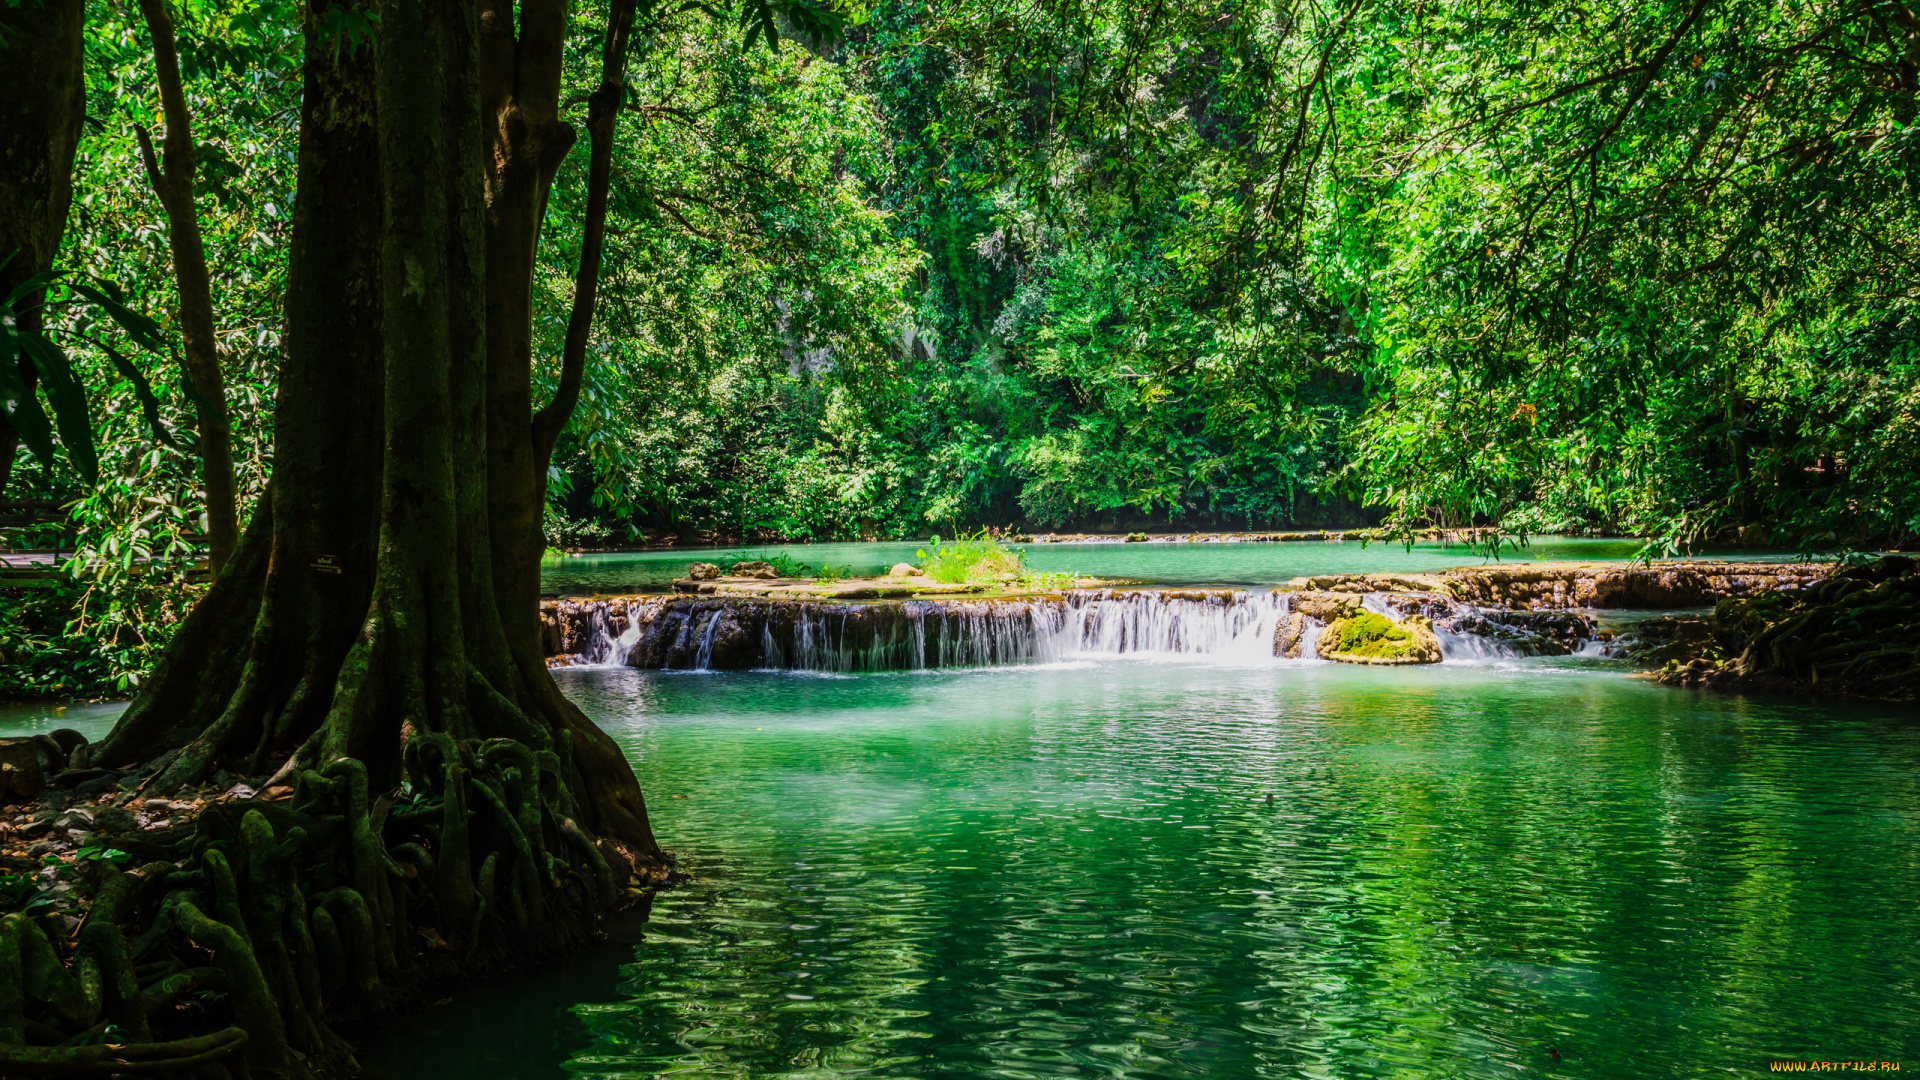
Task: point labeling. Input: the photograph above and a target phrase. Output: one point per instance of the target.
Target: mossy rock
(1370, 638)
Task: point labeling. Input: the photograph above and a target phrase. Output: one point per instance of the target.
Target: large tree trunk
(365, 606)
(42, 101)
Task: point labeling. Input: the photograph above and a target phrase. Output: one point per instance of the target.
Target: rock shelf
(905, 621)
(1560, 585)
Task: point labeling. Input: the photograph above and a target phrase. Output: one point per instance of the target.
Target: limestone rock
(1326, 606)
(702, 571)
(904, 570)
(1622, 585)
(25, 765)
(1290, 634)
(753, 569)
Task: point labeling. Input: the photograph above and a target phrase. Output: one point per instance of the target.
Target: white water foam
(1231, 626)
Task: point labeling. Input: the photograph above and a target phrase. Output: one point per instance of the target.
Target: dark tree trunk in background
(367, 602)
(42, 101)
(520, 66)
(171, 172)
(603, 110)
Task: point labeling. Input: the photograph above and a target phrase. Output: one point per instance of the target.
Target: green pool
(1155, 868)
(1167, 563)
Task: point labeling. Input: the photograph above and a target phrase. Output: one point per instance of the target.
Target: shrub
(975, 560)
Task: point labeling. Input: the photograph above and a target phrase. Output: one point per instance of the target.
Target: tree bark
(520, 70)
(42, 101)
(172, 176)
(362, 609)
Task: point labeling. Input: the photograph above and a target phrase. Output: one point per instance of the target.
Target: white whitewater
(1237, 625)
(1224, 625)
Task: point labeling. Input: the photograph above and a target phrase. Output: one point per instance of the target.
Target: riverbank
(1855, 634)
(254, 926)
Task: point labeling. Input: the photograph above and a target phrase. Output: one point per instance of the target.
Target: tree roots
(1857, 633)
(268, 921)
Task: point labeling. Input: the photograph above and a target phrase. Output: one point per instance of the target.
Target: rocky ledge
(904, 581)
(1560, 585)
(905, 621)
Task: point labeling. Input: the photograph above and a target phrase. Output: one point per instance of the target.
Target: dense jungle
(333, 332)
(1633, 270)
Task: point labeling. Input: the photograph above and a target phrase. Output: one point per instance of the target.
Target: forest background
(1645, 269)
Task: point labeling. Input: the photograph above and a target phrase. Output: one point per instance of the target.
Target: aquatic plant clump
(971, 560)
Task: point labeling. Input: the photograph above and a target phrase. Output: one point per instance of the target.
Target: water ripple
(1135, 871)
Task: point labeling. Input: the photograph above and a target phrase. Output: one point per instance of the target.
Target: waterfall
(1310, 639)
(1235, 624)
(732, 634)
(599, 632)
(1466, 645)
(982, 633)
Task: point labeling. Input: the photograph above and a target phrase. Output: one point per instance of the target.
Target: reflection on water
(1140, 869)
(36, 717)
(1169, 563)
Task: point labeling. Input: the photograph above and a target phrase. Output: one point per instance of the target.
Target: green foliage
(78, 639)
(38, 659)
(787, 566)
(971, 560)
(1627, 267)
(102, 853)
(24, 348)
(23, 893)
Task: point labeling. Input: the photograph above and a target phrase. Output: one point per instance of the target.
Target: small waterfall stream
(736, 634)
(934, 634)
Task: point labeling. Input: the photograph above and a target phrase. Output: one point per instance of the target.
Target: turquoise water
(1157, 869)
(1145, 867)
(35, 718)
(1181, 564)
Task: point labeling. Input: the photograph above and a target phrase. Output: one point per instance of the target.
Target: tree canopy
(1635, 268)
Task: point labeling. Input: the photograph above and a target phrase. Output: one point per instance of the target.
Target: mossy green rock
(1370, 638)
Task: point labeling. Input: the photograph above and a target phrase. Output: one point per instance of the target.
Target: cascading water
(1465, 646)
(735, 634)
(936, 634)
(606, 642)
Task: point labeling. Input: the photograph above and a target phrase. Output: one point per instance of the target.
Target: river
(1208, 866)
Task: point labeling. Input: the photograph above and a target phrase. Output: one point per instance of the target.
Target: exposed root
(1858, 634)
(262, 923)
